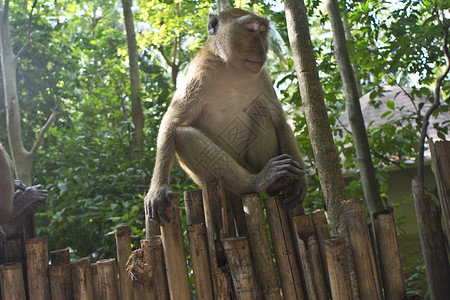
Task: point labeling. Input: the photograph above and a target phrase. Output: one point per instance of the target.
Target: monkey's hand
(294, 193)
(26, 200)
(293, 190)
(18, 185)
(157, 201)
(277, 173)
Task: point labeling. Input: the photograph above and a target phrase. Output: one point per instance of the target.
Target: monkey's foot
(26, 200)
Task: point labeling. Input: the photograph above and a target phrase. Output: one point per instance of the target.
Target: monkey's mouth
(255, 62)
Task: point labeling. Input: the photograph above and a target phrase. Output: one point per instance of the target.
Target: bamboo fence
(281, 256)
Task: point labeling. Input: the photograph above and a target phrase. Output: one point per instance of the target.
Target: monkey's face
(252, 45)
(240, 38)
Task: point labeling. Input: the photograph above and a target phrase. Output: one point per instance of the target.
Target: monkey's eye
(252, 27)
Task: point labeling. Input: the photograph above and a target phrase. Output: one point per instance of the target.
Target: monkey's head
(239, 37)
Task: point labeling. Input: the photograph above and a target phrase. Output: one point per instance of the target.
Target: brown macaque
(15, 205)
(225, 121)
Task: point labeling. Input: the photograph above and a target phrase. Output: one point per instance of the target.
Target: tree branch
(30, 34)
(47, 124)
(436, 103)
(164, 55)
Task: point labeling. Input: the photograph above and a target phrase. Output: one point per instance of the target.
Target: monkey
(16, 200)
(225, 121)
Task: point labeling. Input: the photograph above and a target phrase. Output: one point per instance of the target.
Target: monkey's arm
(159, 195)
(293, 190)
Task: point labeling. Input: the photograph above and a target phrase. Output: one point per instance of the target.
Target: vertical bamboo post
(107, 279)
(13, 249)
(193, 202)
(123, 246)
(339, 278)
(441, 166)
(195, 220)
(37, 267)
(2, 250)
(241, 268)
(11, 282)
(81, 279)
(215, 219)
(307, 270)
(200, 261)
(362, 249)
(174, 254)
(95, 284)
(284, 249)
(260, 245)
(319, 271)
(59, 257)
(147, 288)
(60, 275)
(157, 262)
(389, 254)
(322, 231)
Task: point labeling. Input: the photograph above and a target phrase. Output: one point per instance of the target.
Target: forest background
(77, 62)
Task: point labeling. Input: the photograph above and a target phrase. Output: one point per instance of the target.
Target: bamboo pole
(362, 249)
(12, 286)
(260, 246)
(284, 249)
(107, 279)
(13, 249)
(59, 257)
(200, 261)
(60, 275)
(123, 246)
(140, 270)
(389, 254)
(215, 221)
(441, 166)
(322, 231)
(319, 271)
(81, 279)
(37, 268)
(174, 254)
(241, 268)
(157, 263)
(303, 226)
(339, 277)
(307, 270)
(95, 284)
(194, 207)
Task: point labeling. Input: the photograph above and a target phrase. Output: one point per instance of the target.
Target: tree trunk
(325, 155)
(326, 158)
(428, 217)
(137, 113)
(223, 4)
(365, 164)
(23, 159)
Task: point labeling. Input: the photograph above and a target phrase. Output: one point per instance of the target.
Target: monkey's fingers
(18, 185)
(286, 159)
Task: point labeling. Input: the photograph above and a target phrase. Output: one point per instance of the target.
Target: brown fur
(6, 185)
(225, 120)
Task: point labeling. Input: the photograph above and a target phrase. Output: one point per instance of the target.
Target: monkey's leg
(205, 161)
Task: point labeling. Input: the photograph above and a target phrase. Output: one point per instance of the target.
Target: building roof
(394, 103)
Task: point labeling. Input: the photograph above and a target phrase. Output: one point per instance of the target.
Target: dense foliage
(78, 52)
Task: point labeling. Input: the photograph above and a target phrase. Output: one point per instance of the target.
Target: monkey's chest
(243, 129)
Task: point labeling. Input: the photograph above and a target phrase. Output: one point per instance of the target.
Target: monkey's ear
(213, 23)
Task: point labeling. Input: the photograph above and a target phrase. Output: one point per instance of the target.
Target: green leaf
(390, 104)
